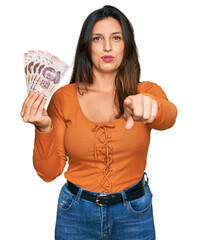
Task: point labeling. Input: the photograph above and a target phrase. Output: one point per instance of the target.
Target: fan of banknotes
(43, 72)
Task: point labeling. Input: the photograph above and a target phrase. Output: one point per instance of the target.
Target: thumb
(127, 102)
(129, 122)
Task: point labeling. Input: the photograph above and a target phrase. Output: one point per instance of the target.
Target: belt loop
(78, 195)
(147, 179)
(124, 198)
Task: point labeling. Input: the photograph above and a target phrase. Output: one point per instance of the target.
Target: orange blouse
(103, 156)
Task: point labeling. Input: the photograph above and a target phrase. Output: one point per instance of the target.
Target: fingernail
(127, 126)
(36, 93)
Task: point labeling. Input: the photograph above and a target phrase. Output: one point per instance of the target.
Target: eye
(117, 38)
(97, 39)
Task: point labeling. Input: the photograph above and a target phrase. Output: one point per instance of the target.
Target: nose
(107, 45)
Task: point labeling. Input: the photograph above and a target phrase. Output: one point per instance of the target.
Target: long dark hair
(128, 74)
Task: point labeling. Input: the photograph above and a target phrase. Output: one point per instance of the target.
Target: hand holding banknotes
(43, 72)
(33, 111)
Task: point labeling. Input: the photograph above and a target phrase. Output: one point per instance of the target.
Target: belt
(109, 199)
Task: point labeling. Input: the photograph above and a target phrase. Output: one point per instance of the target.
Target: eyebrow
(98, 34)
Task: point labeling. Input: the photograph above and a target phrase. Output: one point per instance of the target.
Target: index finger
(129, 123)
(26, 100)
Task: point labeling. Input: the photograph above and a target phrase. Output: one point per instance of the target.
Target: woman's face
(107, 48)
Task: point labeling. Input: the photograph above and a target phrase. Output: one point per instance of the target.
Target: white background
(166, 36)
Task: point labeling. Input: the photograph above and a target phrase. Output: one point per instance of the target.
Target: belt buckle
(97, 199)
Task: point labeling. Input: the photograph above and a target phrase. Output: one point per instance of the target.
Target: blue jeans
(79, 219)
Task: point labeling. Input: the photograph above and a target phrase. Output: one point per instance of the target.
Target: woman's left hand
(139, 108)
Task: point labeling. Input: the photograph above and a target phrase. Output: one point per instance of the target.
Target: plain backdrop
(167, 39)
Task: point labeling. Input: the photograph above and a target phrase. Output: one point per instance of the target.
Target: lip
(107, 58)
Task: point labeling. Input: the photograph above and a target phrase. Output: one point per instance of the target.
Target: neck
(104, 82)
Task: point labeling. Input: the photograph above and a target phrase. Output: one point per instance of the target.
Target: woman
(101, 124)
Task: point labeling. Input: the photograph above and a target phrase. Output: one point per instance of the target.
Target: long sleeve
(49, 155)
(167, 112)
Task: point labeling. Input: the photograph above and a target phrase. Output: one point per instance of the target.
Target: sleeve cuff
(43, 133)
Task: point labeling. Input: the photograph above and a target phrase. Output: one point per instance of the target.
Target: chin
(108, 69)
